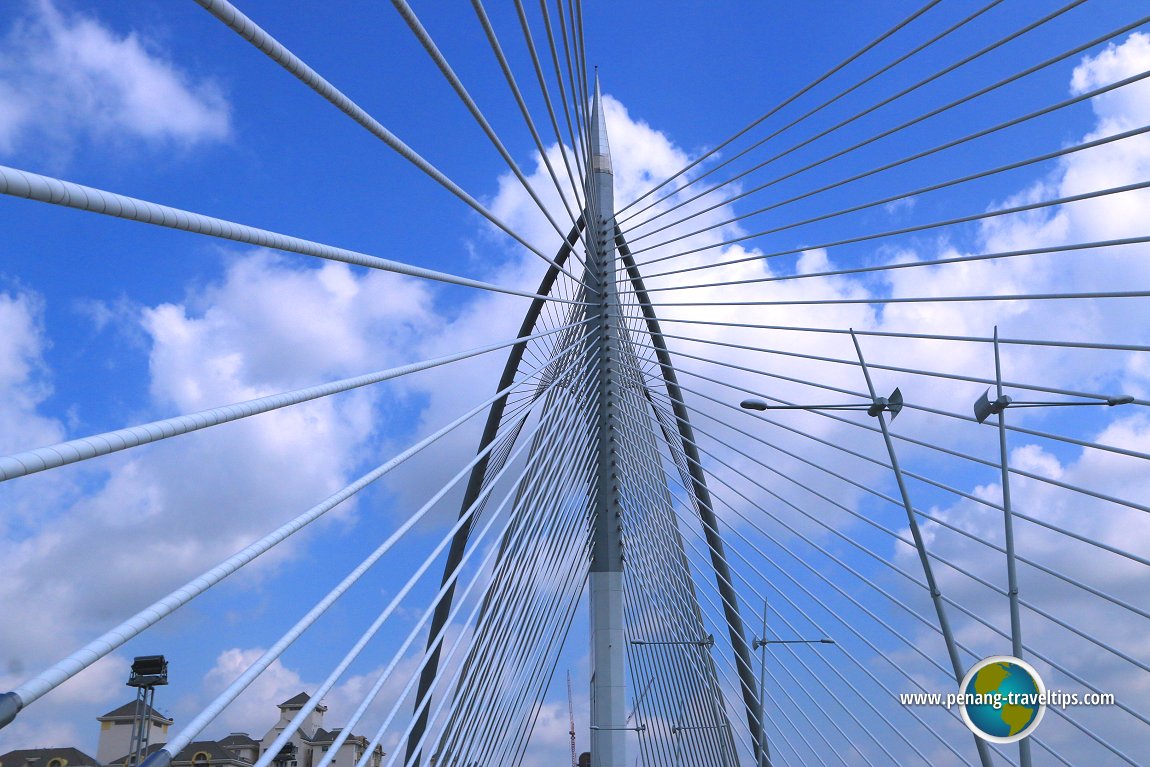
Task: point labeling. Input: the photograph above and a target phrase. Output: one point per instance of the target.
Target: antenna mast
(571, 714)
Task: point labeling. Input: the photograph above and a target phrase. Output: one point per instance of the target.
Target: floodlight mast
(608, 690)
(148, 673)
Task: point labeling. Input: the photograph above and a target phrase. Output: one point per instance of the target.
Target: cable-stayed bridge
(690, 469)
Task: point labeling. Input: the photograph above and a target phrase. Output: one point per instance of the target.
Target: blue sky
(111, 323)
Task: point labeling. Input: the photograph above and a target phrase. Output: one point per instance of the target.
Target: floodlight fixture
(986, 407)
(892, 404)
(148, 671)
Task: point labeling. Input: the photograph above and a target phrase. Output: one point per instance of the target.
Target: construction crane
(571, 714)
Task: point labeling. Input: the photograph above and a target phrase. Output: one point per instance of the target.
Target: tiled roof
(297, 701)
(128, 710)
(152, 748)
(300, 700)
(40, 757)
(214, 749)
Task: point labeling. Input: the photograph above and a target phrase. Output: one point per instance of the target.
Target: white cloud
(268, 325)
(66, 76)
(1120, 321)
(23, 375)
(248, 334)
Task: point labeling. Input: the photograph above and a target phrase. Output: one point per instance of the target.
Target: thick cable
(235, 20)
(407, 690)
(33, 186)
(1063, 152)
(384, 676)
(817, 81)
(83, 448)
(512, 83)
(293, 726)
(529, 41)
(421, 34)
(870, 490)
(164, 756)
(809, 113)
(52, 677)
(934, 112)
(890, 232)
(1100, 398)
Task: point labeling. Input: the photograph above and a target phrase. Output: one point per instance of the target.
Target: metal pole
(1008, 519)
(764, 754)
(927, 570)
(608, 681)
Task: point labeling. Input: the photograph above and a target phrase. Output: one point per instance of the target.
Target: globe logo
(1002, 699)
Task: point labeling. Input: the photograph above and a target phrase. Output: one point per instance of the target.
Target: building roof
(299, 700)
(128, 711)
(214, 749)
(151, 749)
(324, 737)
(40, 757)
(239, 739)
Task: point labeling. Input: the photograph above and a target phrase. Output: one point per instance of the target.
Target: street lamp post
(983, 409)
(761, 646)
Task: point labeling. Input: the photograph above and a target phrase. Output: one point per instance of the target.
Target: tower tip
(600, 150)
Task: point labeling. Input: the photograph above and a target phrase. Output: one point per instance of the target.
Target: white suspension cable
(235, 20)
(33, 186)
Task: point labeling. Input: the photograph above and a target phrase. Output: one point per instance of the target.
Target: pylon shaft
(608, 687)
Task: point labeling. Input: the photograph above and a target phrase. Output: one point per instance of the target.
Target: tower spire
(608, 686)
(600, 147)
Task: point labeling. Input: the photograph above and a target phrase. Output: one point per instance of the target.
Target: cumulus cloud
(24, 377)
(267, 325)
(67, 76)
(1109, 473)
(248, 333)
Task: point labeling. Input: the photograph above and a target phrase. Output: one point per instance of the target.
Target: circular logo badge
(1002, 699)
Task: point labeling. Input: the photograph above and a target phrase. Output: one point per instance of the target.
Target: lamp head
(753, 404)
(985, 407)
(894, 403)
